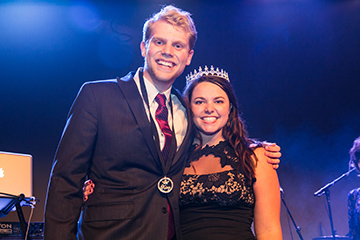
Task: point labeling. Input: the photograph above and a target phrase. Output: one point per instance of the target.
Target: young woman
(354, 194)
(227, 185)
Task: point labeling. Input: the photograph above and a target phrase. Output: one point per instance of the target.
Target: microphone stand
(298, 229)
(325, 190)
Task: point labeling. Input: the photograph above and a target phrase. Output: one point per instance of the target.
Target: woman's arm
(267, 200)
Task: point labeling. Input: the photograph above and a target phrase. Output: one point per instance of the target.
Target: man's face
(166, 54)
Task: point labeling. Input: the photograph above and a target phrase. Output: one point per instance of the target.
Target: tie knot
(160, 99)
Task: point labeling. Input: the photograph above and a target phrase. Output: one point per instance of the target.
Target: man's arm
(64, 196)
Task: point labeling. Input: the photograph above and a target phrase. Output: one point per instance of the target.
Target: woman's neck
(211, 140)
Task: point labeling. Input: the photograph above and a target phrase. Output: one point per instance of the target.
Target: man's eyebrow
(179, 42)
(158, 38)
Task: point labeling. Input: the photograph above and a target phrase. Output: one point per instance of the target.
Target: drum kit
(324, 190)
(337, 237)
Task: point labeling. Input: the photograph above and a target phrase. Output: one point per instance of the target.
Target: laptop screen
(15, 180)
(16, 174)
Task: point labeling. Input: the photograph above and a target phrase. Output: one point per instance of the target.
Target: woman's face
(211, 107)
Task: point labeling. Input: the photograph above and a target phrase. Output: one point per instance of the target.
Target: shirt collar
(152, 90)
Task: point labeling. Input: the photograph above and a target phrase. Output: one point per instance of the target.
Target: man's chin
(166, 76)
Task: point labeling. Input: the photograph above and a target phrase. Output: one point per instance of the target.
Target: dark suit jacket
(108, 138)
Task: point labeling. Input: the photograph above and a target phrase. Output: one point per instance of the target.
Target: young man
(113, 137)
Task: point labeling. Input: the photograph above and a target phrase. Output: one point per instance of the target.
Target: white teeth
(209, 119)
(168, 64)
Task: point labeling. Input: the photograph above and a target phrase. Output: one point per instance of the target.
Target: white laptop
(15, 176)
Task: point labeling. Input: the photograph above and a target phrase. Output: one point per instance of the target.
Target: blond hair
(176, 17)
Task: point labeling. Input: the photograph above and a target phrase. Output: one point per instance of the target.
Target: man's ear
(143, 49)
(191, 54)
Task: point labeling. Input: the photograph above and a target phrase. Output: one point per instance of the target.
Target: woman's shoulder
(260, 153)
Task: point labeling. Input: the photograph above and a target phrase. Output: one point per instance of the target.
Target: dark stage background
(295, 66)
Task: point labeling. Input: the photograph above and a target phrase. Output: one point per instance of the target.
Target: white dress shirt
(177, 116)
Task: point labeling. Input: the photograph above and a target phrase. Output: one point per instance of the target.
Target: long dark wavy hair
(355, 154)
(234, 131)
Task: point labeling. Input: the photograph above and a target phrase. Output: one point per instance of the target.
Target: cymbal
(337, 237)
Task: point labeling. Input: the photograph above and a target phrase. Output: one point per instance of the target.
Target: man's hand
(88, 189)
(272, 153)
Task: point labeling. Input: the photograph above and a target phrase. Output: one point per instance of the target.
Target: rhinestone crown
(197, 74)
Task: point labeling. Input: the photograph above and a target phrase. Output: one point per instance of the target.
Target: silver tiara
(193, 76)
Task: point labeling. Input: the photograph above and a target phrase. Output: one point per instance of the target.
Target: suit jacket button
(164, 210)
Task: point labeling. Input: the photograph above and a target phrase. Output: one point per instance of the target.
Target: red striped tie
(161, 116)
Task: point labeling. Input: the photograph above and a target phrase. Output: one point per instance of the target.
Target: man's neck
(159, 85)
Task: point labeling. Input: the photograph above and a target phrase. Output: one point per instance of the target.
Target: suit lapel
(132, 96)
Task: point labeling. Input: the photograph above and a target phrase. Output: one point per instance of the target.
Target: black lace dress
(217, 206)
